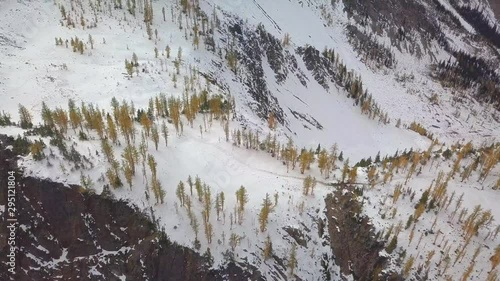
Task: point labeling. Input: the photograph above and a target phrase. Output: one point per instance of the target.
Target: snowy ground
(99, 74)
(438, 230)
(34, 70)
(224, 167)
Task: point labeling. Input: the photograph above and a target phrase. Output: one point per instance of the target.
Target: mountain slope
(386, 79)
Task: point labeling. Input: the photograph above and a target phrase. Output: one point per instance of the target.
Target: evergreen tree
(241, 200)
(292, 260)
(164, 132)
(112, 132)
(47, 116)
(392, 245)
(25, 117)
(407, 267)
(199, 188)
(268, 248)
(180, 192)
(190, 183)
(75, 116)
(495, 258)
(155, 136)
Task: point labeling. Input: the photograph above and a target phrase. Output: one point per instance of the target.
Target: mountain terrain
(252, 139)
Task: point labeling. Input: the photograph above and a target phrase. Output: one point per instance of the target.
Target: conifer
(267, 208)
(241, 200)
(268, 248)
(25, 117)
(292, 260)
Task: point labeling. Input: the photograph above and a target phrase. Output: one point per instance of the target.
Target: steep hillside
(268, 133)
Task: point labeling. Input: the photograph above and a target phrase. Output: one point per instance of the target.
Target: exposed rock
(353, 241)
(298, 235)
(318, 65)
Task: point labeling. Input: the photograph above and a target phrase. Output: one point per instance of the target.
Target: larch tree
(107, 150)
(407, 267)
(25, 118)
(36, 149)
(222, 200)
(353, 173)
(190, 183)
(199, 188)
(61, 119)
(47, 116)
(113, 176)
(468, 271)
(372, 175)
(152, 165)
(333, 156)
(308, 185)
(292, 260)
(271, 121)
(158, 190)
(492, 276)
(306, 158)
(495, 258)
(128, 172)
(267, 208)
(131, 157)
(345, 170)
(75, 117)
(286, 40)
(91, 42)
(180, 192)
(268, 248)
(218, 207)
(164, 132)
(167, 51)
(241, 200)
(129, 67)
(288, 153)
(146, 123)
(112, 131)
(322, 161)
(392, 245)
(175, 112)
(207, 201)
(155, 136)
(126, 123)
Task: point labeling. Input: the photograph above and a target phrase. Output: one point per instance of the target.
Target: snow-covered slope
(54, 73)
(291, 81)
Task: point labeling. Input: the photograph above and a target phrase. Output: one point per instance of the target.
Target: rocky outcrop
(352, 237)
(257, 47)
(321, 69)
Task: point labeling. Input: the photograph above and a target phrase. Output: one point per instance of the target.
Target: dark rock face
(256, 46)
(65, 232)
(402, 15)
(300, 237)
(321, 69)
(495, 5)
(352, 238)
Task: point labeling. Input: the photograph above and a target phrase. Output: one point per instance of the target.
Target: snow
(474, 193)
(41, 248)
(223, 167)
(94, 272)
(33, 71)
(464, 23)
